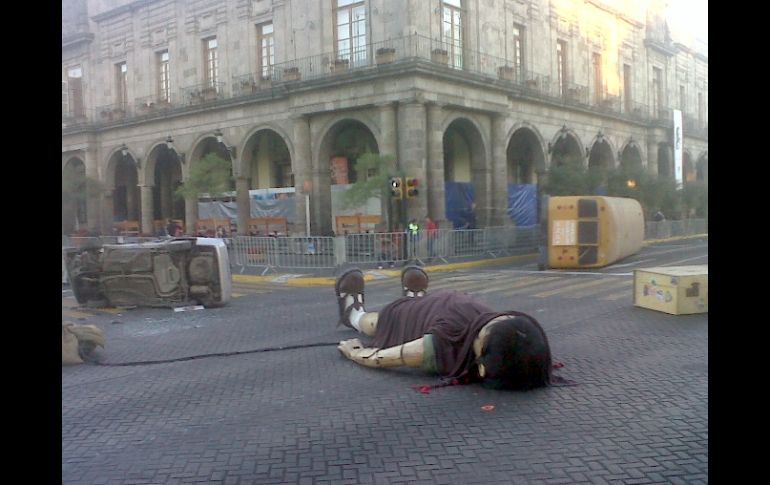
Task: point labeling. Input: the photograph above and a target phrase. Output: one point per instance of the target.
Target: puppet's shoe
(349, 288)
(414, 281)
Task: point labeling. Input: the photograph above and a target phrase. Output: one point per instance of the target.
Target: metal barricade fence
(388, 248)
(282, 252)
(674, 228)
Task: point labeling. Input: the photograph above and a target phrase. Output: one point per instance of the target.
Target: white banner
(678, 140)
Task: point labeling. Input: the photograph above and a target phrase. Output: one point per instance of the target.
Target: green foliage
(653, 193)
(572, 179)
(211, 175)
(371, 179)
(695, 195)
(76, 187)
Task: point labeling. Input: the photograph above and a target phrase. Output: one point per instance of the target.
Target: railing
(666, 229)
(693, 126)
(609, 104)
(202, 93)
(113, 112)
(635, 110)
(251, 83)
(575, 93)
(389, 248)
(368, 58)
(149, 105)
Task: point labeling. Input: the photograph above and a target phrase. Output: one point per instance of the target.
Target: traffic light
(396, 188)
(411, 187)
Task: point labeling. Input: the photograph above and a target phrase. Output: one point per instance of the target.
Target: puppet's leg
(349, 288)
(414, 281)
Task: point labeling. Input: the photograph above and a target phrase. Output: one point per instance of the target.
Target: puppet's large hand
(350, 347)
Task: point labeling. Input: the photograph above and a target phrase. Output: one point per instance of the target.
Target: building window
(266, 43)
(561, 65)
(627, 99)
(452, 31)
(682, 99)
(164, 88)
(518, 51)
(656, 93)
(598, 78)
(211, 61)
(72, 97)
(121, 73)
(350, 33)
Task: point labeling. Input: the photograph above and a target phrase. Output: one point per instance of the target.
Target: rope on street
(204, 356)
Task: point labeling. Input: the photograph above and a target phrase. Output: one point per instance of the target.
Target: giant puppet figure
(448, 333)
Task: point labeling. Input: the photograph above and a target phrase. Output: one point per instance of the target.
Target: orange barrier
(356, 224)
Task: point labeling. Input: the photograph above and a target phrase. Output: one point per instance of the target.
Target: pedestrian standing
(431, 231)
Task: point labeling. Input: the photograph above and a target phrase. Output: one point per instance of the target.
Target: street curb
(675, 238)
(374, 274)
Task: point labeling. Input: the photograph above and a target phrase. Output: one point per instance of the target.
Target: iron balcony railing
(369, 58)
(203, 93)
(113, 112)
(149, 105)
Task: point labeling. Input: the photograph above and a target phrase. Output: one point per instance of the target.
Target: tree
(211, 175)
(567, 179)
(372, 181)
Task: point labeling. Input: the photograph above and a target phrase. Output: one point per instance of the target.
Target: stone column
(499, 197)
(146, 217)
(108, 209)
(243, 203)
(190, 213)
(435, 183)
(301, 165)
(94, 203)
(388, 129)
(412, 153)
(652, 156)
(389, 146)
(165, 189)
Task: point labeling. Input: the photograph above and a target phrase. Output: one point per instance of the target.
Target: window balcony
(415, 51)
(113, 112)
(202, 93)
(150, 105)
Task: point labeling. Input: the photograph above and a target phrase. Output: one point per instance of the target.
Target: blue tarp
(522, 204)
(458, 197)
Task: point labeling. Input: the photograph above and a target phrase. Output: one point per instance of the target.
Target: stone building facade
(483, 91)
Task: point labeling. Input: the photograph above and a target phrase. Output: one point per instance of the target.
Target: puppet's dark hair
(516, 355)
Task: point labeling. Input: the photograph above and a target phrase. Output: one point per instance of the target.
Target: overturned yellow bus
(592, 231)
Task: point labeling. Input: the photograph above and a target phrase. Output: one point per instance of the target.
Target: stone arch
(202, 146)
(631, 156)
(279, 131)
(601, 154)
(269, 150)
(74, 212)
(565, 147)
(322, 143)
(525, 154)
(163, 173)
(122, 184)
(343, 140)
(465, 161)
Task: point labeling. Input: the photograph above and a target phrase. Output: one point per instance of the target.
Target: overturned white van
(163, 273)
